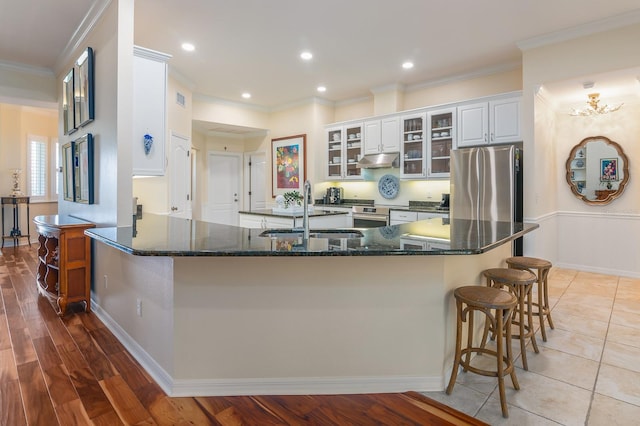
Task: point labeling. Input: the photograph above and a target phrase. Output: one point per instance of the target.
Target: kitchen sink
(322, 233)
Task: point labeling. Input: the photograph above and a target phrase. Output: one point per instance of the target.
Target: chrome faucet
(305, 213)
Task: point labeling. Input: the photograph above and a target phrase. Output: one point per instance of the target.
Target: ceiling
(358, 45)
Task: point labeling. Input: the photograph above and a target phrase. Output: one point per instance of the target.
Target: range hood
(379, 161)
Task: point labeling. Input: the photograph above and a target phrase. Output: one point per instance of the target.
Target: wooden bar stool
(498, 306)
(520, 284)
(542, 267)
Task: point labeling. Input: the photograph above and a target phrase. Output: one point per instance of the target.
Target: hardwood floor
(72, 371)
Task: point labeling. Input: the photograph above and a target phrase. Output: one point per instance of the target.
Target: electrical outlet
(106, 281)
(139, 307)
(429, 196)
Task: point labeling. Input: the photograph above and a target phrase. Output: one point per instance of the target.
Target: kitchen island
(211, 309)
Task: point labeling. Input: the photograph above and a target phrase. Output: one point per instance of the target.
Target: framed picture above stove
(288, 164)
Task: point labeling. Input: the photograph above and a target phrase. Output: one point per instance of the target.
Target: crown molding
(181, 78)
(482, 72)
(86, 26)
(214, 100)
(394, 87)
(582, 30)
(353, 101)
(22, 68)
(154, 55)
(23, 101)
(302, 102)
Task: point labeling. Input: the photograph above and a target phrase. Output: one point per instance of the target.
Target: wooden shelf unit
(64, 260)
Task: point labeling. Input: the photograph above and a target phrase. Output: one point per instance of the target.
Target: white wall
(112, 42)
(573, 234)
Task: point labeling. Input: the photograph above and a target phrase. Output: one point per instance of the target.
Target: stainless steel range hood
(379, 161)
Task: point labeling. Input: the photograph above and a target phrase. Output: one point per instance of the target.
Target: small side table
(15, 233)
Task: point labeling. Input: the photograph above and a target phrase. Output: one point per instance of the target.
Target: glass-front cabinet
(344, 148)
(412, 146)
(441, 140)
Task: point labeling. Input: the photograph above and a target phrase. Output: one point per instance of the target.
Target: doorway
(255, 166)
(180, 177)
(224, 182)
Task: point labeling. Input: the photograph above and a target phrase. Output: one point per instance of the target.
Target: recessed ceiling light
(306, 56)
(188, 47)
(322, 89)
(407, 65)
(246, 95)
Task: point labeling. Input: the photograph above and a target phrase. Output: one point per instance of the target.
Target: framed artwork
(84, 169)
(608, 169)
(84, 89)
(68, 113)
(288, 164)
(68, 171)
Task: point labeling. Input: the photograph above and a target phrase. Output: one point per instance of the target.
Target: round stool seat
(497, 306)
(485, 297)
(542, 267)
(510, 276)
(528, 262)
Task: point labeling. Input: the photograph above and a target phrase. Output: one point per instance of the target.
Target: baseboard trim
(162, 378)
(306, 386)
(264, 386)
(597, 270)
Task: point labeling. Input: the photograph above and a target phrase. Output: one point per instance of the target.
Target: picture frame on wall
(84, 89)
(288, 164)
(83, 175)
(608, 169)
(68, 171)
(68, 112)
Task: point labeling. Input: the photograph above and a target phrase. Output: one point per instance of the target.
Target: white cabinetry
(256, 221)
(382, 135)
(442, 139)
(149, 111)
(344, 148)
(492, 122)
(413, 148)
(397, 217)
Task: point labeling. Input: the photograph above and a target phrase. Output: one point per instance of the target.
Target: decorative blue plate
(388, 186)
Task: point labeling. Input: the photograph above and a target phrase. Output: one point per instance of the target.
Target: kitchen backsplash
(431, 190)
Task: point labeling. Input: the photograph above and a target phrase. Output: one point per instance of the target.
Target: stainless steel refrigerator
(487, 186)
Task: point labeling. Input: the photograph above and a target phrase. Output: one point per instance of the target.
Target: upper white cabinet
(382, 135)
(149, 111)
(344, 148)
(496, 121)
(442, 139)
(413, 148)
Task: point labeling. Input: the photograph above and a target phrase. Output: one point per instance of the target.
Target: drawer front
(404, 216)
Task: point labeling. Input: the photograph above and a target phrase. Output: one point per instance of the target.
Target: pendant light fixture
(593, 108)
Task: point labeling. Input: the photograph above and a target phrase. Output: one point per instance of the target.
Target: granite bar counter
(220, 310)
(157, 235)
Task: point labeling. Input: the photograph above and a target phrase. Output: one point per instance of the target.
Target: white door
(224, 171)
(255, 167)
(180, 177)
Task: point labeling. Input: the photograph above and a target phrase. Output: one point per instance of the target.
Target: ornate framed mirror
(597, 170)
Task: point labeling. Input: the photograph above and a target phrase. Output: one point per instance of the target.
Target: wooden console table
(15, 233)
(64, 254)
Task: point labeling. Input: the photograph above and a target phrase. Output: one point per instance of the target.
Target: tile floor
(588, 371)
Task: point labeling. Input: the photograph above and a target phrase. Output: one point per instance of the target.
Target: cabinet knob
(173, 208)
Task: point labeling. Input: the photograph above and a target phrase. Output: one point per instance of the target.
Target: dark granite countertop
(156, 235)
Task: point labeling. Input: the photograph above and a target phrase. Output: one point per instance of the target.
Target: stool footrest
(508, 368)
